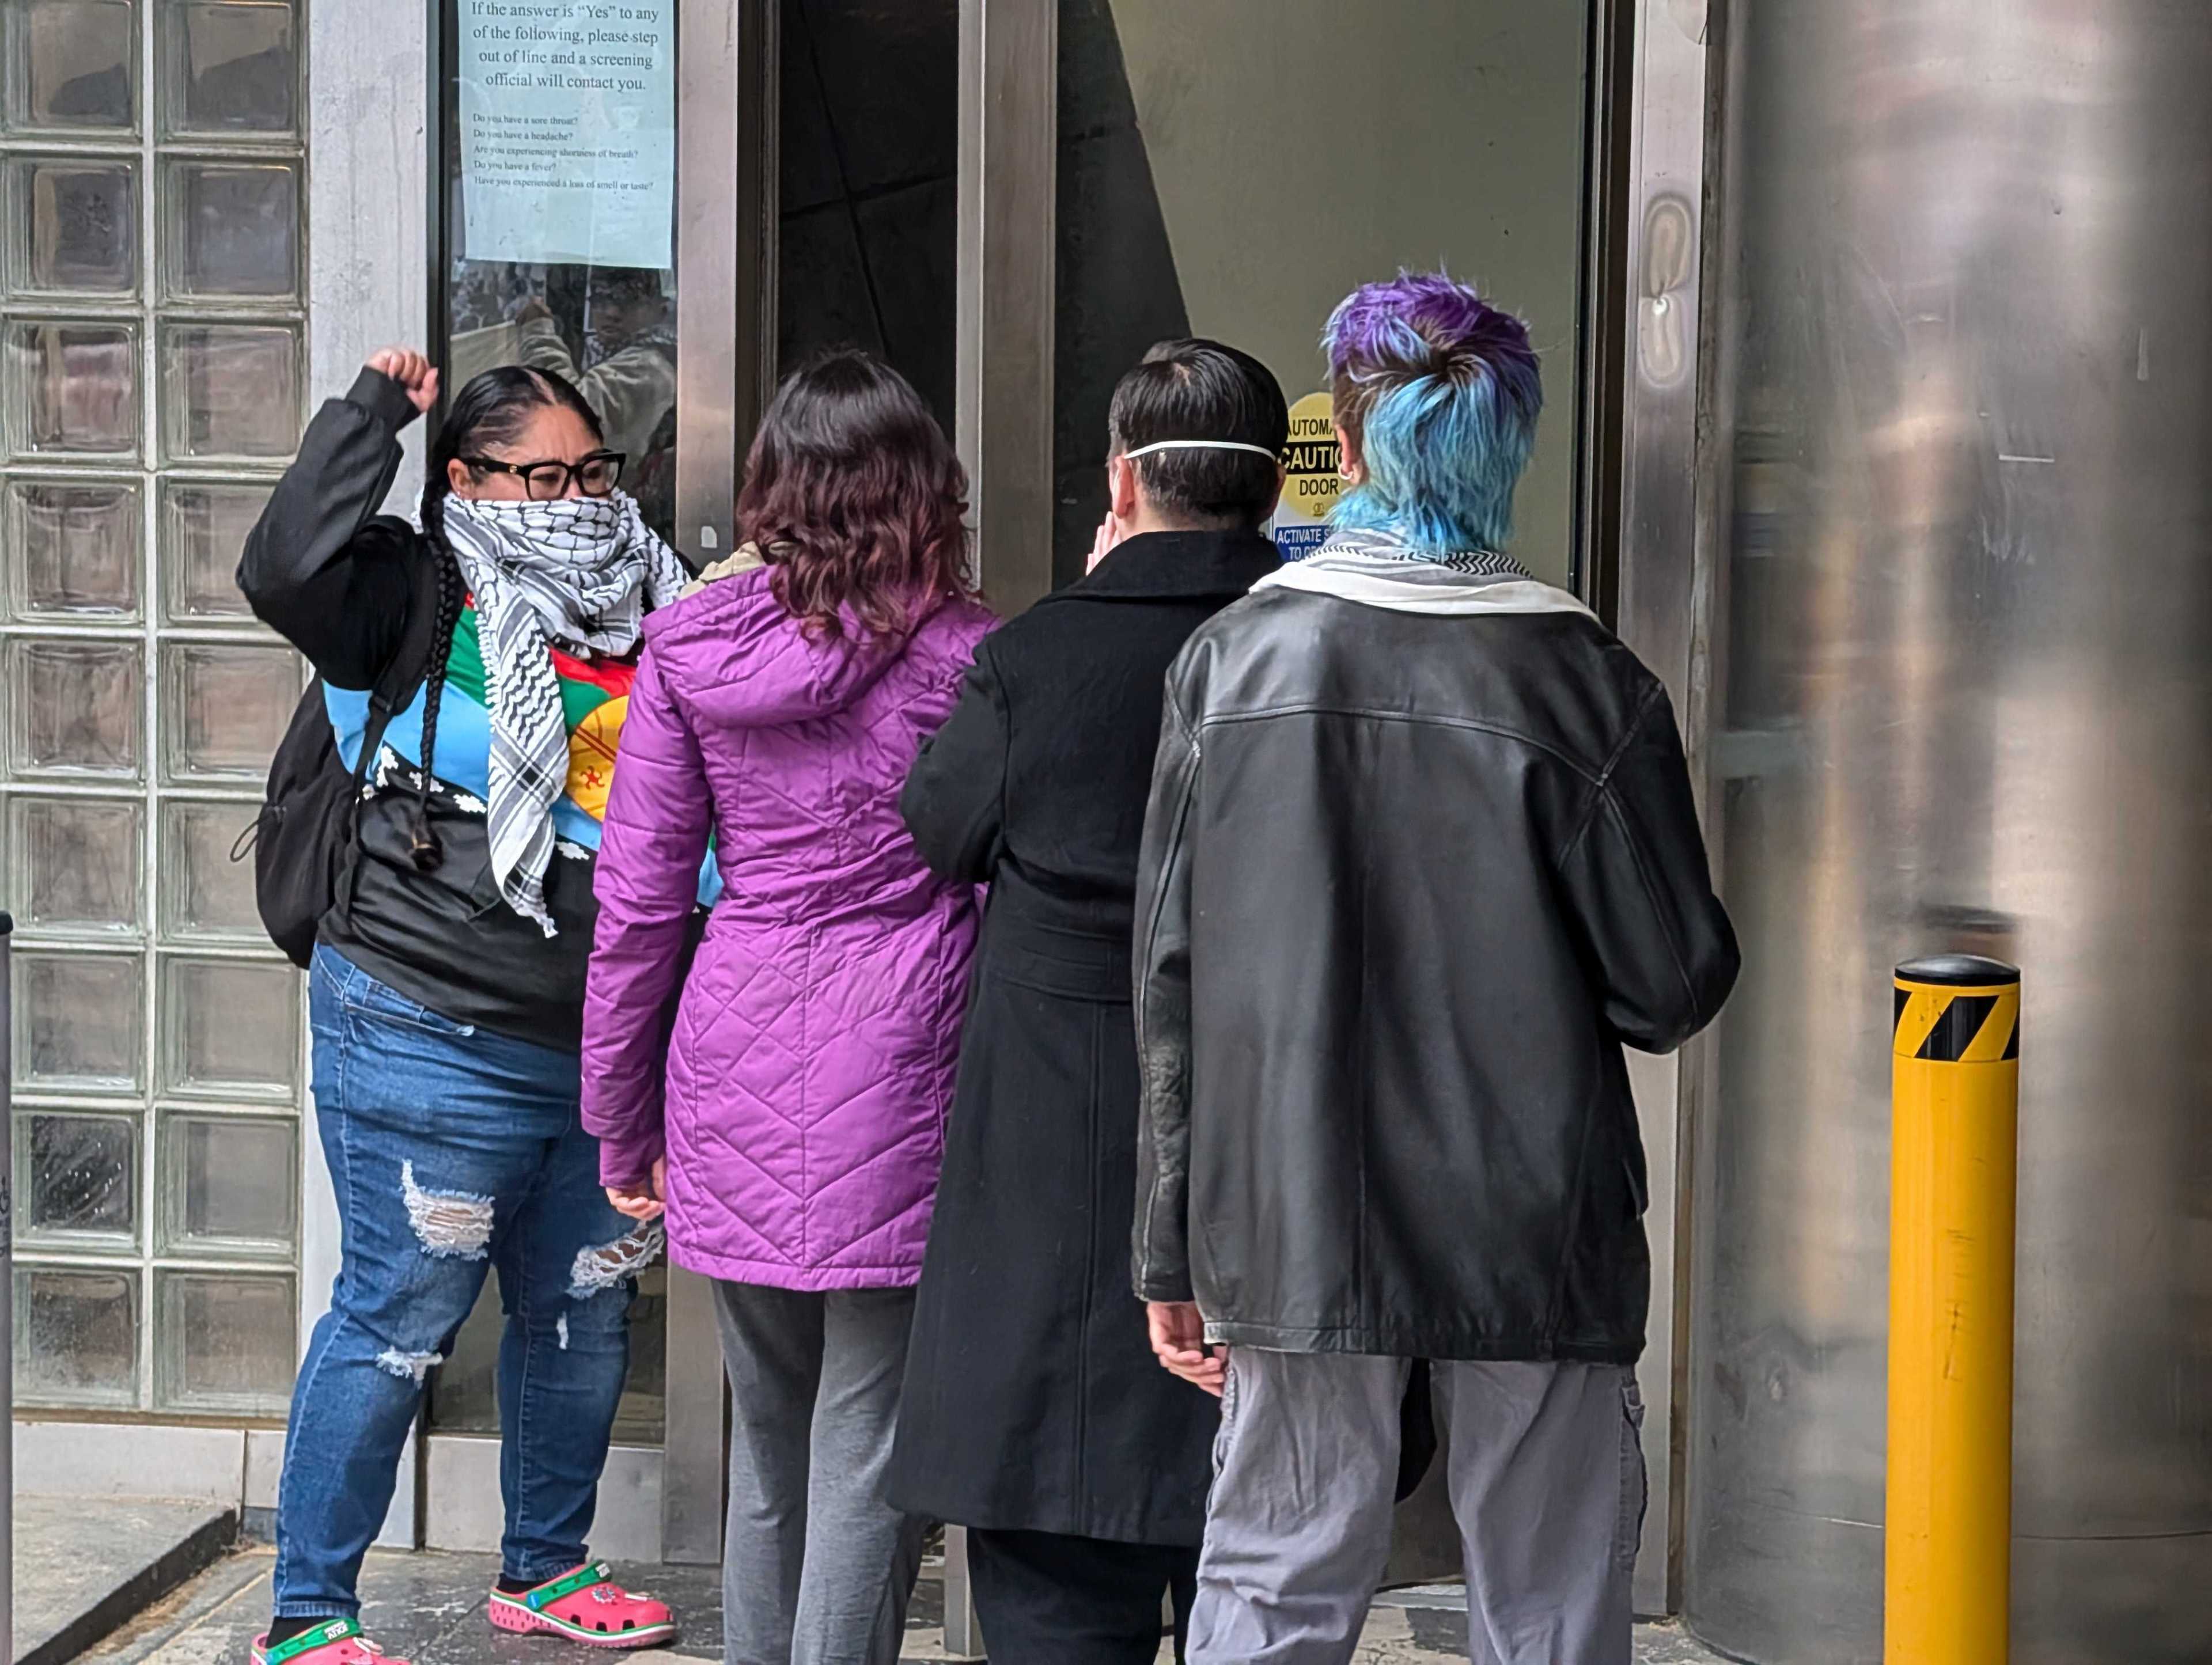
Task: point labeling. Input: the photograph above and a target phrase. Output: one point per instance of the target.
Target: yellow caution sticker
(1312, 481)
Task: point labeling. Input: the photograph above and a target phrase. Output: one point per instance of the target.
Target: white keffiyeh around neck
(577, 572)
(1379, 572)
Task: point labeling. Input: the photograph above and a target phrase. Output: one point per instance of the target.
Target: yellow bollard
(1954, 1131)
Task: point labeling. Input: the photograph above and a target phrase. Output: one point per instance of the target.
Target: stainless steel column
(726, 264)
(1003, 402)
(1003, 349)
(1961, 414)
(1664, 609)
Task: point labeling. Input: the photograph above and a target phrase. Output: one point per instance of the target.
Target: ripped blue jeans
(452, 1151)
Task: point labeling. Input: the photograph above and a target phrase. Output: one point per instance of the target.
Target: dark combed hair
(1201, 390)
(619, 283)
(854, 497)
(492, 409)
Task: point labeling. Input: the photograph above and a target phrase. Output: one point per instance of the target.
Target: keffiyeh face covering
(577, 573)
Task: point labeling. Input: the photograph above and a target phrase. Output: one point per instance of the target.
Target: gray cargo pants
(1547, 1481)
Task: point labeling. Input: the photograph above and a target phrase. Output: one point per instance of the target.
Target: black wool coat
(1032, 1399)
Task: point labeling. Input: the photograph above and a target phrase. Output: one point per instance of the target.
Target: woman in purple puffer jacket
(794, 1130)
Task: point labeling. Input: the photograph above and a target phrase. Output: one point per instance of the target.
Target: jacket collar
(1419, 587)
(1167, 566)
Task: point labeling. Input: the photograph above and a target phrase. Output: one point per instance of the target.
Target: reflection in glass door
(150, 357)
(1321, 148)
(556, 193)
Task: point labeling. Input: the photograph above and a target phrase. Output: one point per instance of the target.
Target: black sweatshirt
(338, 582)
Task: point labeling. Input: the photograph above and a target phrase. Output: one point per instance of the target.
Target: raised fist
(411, 371)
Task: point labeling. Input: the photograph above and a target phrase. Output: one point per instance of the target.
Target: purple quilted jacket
(803, 1100)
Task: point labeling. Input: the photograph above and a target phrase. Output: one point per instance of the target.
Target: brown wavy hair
(854, 499)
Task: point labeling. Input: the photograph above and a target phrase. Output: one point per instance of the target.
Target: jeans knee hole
(449, 1224)
(600, 1268)
(408, 1366)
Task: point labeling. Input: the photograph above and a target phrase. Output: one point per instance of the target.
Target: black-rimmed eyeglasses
(595, 476)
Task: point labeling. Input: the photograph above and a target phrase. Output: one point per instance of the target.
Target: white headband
(1199, 445)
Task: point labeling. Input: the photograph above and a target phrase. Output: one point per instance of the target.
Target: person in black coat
(1035, 1413)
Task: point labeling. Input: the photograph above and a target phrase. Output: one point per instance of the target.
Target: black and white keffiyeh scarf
(578, 572)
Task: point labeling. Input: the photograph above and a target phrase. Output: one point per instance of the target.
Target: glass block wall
(151, 358)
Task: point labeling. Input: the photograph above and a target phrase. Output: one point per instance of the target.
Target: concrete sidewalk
(428, 1608)
(84, 1565)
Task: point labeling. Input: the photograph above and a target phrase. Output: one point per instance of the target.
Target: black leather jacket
(1411, 879)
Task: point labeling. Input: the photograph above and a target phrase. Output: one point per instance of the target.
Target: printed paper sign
(1311, 484)
(569, 131)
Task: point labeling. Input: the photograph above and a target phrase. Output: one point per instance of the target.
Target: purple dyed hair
(1441, 392)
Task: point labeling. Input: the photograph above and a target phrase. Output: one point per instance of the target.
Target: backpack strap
(411, 661)
(372, 741)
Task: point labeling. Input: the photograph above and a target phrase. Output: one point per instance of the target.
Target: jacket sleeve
(1636, 876)
(318, 568)
(1160, 1252)
(954, 800)
(538, 343)
(659, 816)
(630, 390)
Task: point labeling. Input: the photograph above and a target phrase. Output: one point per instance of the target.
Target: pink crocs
(585, 1606)
(334, 1642)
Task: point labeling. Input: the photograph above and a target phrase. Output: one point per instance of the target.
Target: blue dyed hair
(1440, 393)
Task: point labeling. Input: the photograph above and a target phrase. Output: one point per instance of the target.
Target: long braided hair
(492, 409)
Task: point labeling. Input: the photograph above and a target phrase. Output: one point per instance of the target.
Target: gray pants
(1547, 1481)
(816, 1568)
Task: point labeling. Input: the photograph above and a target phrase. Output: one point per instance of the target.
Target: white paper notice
(568, 131)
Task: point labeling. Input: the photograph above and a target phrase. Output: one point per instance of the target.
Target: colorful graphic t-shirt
(594, 697)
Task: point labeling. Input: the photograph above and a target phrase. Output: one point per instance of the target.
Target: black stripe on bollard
(1956, 1029)
(1963, 1019)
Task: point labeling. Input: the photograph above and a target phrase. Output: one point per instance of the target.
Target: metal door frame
(1003, 290)
(1662, 594)
(726, 121)
(1003, 299)
(370, 157)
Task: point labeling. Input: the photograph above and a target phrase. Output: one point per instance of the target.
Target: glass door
(555, 228)
(557, 210)
(1315, 149)
(1233, 170)
(810, 183)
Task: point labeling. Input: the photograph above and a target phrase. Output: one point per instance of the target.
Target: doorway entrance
(1010, 201)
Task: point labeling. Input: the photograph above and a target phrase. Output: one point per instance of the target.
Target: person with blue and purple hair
(1421, 857)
